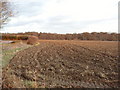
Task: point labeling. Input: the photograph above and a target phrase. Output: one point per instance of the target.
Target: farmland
(63, 63)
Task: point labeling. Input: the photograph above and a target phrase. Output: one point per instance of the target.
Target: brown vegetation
(32, 40)
(14, 37)
(102, 36)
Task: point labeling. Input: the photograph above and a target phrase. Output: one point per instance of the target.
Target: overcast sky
(64, 16)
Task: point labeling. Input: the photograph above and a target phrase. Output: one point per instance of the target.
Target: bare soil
(64, 64)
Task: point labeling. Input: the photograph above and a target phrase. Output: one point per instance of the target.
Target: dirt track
(65, 64)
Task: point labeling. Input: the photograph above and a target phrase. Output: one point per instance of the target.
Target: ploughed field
(66, 64)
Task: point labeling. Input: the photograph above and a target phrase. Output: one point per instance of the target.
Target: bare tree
(5, 11)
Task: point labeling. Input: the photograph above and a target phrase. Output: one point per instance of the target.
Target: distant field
(62, 63)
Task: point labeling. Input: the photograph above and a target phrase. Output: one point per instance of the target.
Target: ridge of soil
(65, 64)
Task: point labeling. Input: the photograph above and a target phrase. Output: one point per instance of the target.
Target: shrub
(22, 37)
(32, 40)
(14, 37)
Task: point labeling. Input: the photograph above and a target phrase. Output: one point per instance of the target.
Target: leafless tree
(5, 11)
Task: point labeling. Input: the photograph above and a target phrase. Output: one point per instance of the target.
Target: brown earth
(66, 64)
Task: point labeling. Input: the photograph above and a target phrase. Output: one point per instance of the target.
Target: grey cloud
(29, 8)
(55, 24)
(25, 23)
(52, 24)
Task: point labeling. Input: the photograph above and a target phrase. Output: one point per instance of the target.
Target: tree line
(102, 36)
